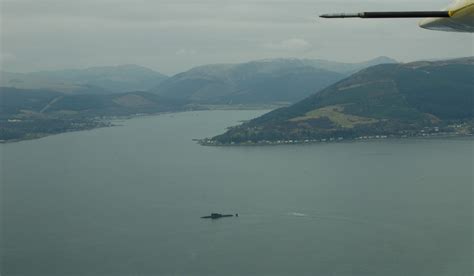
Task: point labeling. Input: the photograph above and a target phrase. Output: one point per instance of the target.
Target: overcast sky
(175, 35)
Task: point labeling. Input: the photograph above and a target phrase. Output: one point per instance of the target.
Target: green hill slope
(26, 114)
(385, 100)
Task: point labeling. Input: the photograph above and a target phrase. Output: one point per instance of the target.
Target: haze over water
(127, 200)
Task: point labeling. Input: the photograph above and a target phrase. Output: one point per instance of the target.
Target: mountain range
(386, 99)
(258, 82)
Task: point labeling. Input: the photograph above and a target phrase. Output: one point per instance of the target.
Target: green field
(336, 115)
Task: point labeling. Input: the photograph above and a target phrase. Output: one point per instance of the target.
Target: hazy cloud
(294, 44)
(186, 52)
(5, 58)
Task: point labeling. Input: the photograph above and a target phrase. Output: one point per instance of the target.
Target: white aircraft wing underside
(458, 17)
(460, 20)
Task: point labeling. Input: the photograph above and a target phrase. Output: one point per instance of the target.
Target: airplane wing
(405, 14)
(459, 17)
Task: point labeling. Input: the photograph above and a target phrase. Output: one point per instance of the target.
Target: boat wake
(295, 214)
(330, 217)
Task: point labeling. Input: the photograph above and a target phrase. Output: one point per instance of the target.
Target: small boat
(217, 216)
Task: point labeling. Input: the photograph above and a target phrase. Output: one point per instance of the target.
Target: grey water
(127, 200)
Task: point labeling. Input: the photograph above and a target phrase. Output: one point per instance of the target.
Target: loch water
(127, 200)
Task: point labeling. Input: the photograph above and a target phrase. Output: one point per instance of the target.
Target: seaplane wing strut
(458, 17)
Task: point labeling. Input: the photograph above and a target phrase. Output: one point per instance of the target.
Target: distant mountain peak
(419, 64)
(383, 59)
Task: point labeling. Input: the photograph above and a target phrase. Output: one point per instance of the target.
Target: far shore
(111, 121)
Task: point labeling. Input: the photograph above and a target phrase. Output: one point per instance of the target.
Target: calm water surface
(127, 201)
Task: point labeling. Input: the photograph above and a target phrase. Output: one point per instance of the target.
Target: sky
(171, 36)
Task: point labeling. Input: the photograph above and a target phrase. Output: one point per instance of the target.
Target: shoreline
(113, 121)
(43, 135)
(329, 141)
